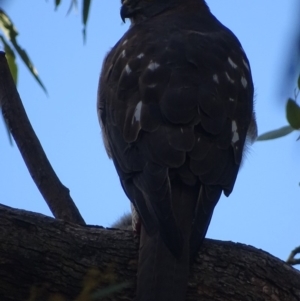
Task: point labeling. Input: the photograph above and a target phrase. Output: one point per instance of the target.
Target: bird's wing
(182, 103)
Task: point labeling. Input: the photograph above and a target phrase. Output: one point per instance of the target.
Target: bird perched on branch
(175, 105)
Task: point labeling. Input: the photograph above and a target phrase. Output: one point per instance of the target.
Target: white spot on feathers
(140, 55)
(216, 78)
(152, 85)
(127, 69)
(125, 42)
(123, 53)
(246, 65)
(232, 63)
(235, 134)
(229, 78)
(153, 66)
(244, 82)
(233, 126)
(137, 112)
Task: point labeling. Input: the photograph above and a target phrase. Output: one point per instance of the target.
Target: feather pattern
(175, 104)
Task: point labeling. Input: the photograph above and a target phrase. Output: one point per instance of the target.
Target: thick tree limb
(54, 192)
(54, 256)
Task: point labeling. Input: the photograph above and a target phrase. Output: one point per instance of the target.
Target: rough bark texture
(44, 256)
(54, 192)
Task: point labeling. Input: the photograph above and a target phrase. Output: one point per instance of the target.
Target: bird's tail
(161, 276)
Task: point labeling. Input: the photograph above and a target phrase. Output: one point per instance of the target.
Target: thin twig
(292, 260)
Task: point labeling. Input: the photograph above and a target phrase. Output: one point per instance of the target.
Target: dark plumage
(175, 104)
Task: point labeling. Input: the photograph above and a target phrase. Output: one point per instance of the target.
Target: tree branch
(54, 192)
(47, 257)
(292, 258)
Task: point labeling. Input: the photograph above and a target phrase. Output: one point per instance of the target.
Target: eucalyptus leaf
(281, 132)
(293, 113)
(74, 5)
(11, 59)
(85, 16)
(10, 32)
(57, 3)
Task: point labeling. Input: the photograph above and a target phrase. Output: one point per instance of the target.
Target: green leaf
(11, 60)
(293, 113)
(85, 16)
(22, 53)
(281, 132)
(11, 33)
(72, 4)
(57, 3)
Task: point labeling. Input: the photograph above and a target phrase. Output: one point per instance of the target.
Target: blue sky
(264, 208)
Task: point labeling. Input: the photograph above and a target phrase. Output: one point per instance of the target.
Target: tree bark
(43, 258)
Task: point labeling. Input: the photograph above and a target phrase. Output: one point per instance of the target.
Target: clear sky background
(264, 208)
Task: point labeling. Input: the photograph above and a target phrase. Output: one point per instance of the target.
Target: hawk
(175, 104)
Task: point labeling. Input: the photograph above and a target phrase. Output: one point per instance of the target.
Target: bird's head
(140, 10)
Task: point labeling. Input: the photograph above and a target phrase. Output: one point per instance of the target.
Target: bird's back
(175, 105)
